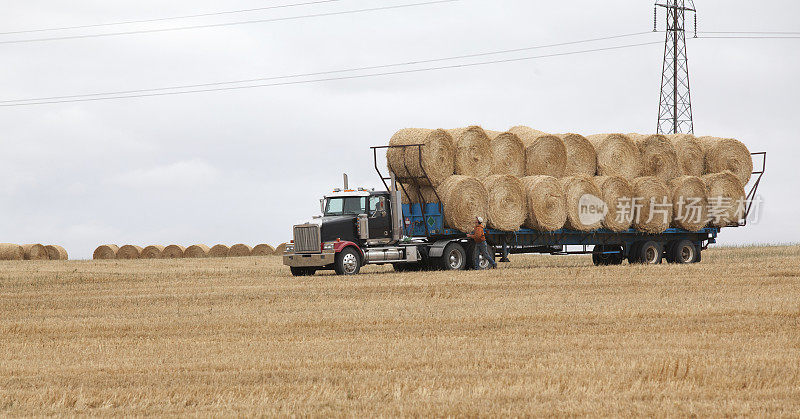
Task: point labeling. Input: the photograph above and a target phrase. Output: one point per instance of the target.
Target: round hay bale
(173, 251)
(56, 252)
(9, 251)
(152, 252)
(421, 195)
(726, 198)
(35, 252)
(473, 155)
(129, 251)
(721, 154)
(659, 158)
(581, 157)
(280, 249)
(508, 207)
(463, 198)
(219, 251)
(617, 193)
(508, 153)
(575, 189)
(690, 154)
(196, 251)
(263, 250)
(547, 204)
(545, 154)
(652, 209)
(689, 203)
(617, 155)
(240, 250)
(438, 155)
(105, 251)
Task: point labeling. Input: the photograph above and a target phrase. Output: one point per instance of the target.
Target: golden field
(542, 335)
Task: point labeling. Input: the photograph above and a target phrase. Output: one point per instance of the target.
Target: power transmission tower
(675, 105)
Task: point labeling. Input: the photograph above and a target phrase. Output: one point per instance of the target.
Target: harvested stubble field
(541, 335)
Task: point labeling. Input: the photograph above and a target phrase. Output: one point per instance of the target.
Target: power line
(358, 76)
(320, 73)
(753, 33)
(129, 22)
(216, 25)
(749, 37)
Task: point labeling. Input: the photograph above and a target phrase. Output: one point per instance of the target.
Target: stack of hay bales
(616, 192)
(547, 204)
(545, 154)
(508, 207)
(473, 155)
(464, 198)
(10, 251)
(508, 153)
(652, 209)
(173, 251)
(617, 155)
(196, 251)
(575, 189)
(435, 162)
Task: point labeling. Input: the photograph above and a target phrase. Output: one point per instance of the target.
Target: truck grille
(306, 238)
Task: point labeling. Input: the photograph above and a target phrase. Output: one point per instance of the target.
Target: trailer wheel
(302, 271)
(699, 254)
(633, 253)
(454, 258)
(650, 253)
(683, 251)
(607, 259)
(348, 262)
(472, 253)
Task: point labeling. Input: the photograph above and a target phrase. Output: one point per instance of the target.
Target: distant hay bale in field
(575, 188)
(56, 252)
(35, 252)
(438, 155)
(689, 203)
(617, 155)
(547, 204)
(659, 158)
(473, 155)
(240, 250)
(508, 153)
(280, 249)
(173, 251)
(9, 251)
(545, 154)
(464, 198)
(196, 251)
(723, 154)
(219, 251)
(726, 198)
(652, 211)
(508, 206)
(617, 193)
(129, 251)
(690, 154)
(105, 251)
(152, 252)
(422, 195)
(263, 249)
(581, 156)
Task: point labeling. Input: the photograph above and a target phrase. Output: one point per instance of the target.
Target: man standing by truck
(481, 248)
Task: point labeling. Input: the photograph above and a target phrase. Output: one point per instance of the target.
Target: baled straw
(263, 249)
(690, 154)
(508, 153)
(173, 251)
(723, 154)
(617, 193)
(152, 252)
(689, 203)
(464, 198)
(575, 188)
(726, 198)
(9, 251)
(473, 155)
(240, 250)
(581, 157)
(56, 252)
(219, 251)
(280, 249)
(652, 209)
(106, 251)
(617, 155)
(547, 204)
(545, 154)
(507, 202)
(659, 158)
(438, 155)
(196, 251)
(129, 251)
(35, 252)
(421, 195)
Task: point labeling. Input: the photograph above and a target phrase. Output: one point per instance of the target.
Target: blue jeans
(481, 249)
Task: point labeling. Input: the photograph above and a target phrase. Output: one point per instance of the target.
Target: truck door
(380, 217)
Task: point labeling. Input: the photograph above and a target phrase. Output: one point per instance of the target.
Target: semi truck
(361, 226)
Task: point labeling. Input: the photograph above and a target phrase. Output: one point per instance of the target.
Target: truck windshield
(346, 206)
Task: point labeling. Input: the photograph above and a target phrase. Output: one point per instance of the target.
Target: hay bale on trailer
(721, 154)
(508, 207)
(690, 154)
(689, 203)
(437, 156)
(659, 158)
(547, 204)
(152, 252)
(105, 251)
(10, 251)
(508, 153)
(173, 251)
(726, 198)
(129, 251)
(581, 156)
(196, 251)
(616, 192)
(473, 153)
(240, 250)
(35, 252)
(219, 251)
(56, 252)
(545, 154)
(421, 195)
(576, 188)
(652, 209)
(464, 198)
(263, 249)
(617, 155)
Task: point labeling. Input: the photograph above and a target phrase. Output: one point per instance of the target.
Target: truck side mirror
(322, 206)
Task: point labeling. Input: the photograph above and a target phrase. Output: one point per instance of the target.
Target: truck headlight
(289, 248)
(327, 246)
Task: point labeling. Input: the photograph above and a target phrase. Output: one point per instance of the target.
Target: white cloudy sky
(243, 166)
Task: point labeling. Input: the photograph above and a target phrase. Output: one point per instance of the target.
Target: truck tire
(454, 258)
(699, 254)
(302, 271)
(348, 262)
(650, 252)
(607, 259)
(472, 251)
(683, 251)
(633, 253)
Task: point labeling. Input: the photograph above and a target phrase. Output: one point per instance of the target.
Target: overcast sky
(245, 165)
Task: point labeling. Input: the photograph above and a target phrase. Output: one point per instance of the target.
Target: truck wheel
(651, 253)
(348, 262)
(472, 253)
(302, 271)
(454, 257)
(633, 253)
(699, 254)
(600, 259)
(683, 251)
